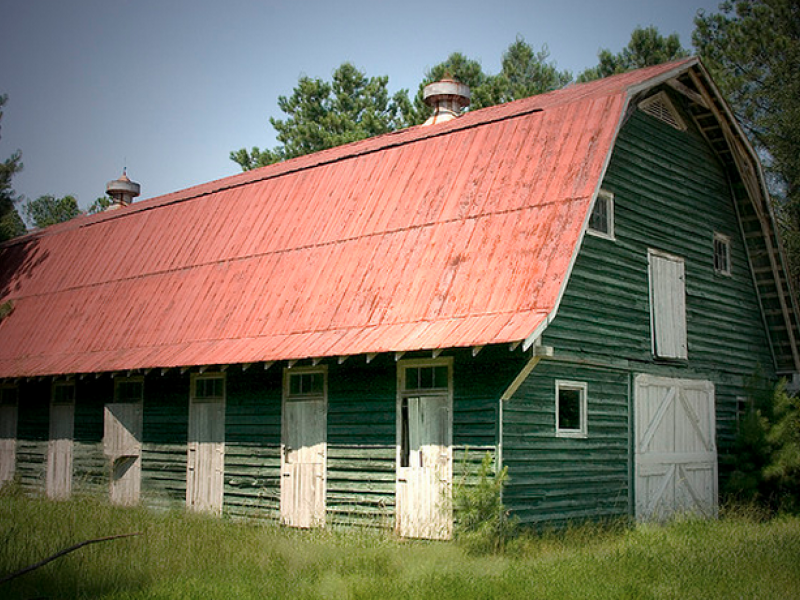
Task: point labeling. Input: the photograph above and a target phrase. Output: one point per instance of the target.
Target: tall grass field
(180, 555)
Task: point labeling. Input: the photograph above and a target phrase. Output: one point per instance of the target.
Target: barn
(580, 283)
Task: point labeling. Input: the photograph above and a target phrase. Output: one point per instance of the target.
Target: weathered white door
(122, 443)
(205, 462)
(676, 453)
(303, 462)
(424, 471)
(8, 441)
(58, 484)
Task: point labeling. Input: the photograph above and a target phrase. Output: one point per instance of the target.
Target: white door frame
(423, 513)
(304, 484)
(205, 458)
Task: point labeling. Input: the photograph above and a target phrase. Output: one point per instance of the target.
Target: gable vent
(661, 107)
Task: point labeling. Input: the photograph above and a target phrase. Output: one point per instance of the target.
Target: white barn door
(205, 461)
(58, 482)
(122, 444)
(425, 470)
(676, 453)
(304, 449)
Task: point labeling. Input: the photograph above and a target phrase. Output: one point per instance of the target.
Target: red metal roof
(459, 234)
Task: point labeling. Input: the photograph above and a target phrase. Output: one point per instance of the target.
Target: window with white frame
(668, 305)
(571, 403)
(722, 254)
(601, 221)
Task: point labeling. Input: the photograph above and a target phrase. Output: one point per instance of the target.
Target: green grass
(181, 555)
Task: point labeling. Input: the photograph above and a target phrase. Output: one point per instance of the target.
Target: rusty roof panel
(460, 234)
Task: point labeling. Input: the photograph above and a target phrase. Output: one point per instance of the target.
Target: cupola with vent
(448, 98)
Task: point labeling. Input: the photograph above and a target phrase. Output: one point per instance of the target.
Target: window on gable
(601, 221)
(722, 254)
(571, 411)
(668, 306)
(660, 107)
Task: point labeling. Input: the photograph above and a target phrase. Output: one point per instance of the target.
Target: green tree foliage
(482, 522)
(646, 48)
(48, 210)
(752, 48)
(325, 114)
(99, 205)
(766, 457)
(524, 72)
(11, 224)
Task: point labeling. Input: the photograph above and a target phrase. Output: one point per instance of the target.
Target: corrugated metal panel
(455, 235)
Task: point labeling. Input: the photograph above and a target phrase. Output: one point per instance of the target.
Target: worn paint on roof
(456, 235)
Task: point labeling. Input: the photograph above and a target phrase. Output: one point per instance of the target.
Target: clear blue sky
(169, 87)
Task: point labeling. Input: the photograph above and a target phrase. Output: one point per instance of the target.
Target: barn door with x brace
(676, 453)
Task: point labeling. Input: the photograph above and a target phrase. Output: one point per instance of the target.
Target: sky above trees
(167, 89)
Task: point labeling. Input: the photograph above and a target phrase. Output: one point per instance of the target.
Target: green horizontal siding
(561, 479)
(165, 421)
(670, 194)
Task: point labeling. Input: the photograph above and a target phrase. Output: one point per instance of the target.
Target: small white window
(208, 388)
(722, 254)
(601, 221)
(571, 409)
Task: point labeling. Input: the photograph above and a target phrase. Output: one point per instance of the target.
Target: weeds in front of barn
(181, 555)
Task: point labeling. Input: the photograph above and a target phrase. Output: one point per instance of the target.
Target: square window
(722, 254)
(571, 409)
(601, 221)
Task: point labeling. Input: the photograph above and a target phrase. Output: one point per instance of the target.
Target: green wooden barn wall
(670, 194)
(33, 432)
(558, 478)
(361, 433)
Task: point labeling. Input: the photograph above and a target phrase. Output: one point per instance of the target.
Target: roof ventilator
(448, 98)
(660, 107)
(122, 191)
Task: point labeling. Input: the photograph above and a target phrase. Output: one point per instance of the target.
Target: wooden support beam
(514, 345)
(268, 364)
(203, 369)
(246, 366)
(292, 363)
(164, 371)
(436, 353)
(476, 350)
(398, 356)
(184, 369)
(371, 356)
(223, 368)
(343, 358)
(688, 92)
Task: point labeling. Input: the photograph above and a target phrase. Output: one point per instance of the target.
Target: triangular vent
(660, 107)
